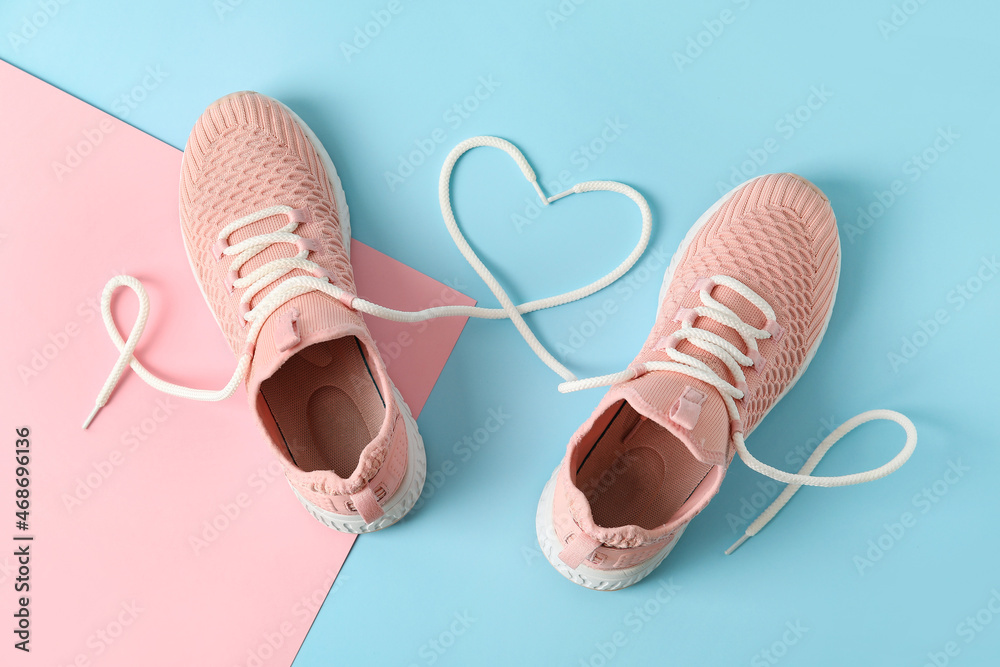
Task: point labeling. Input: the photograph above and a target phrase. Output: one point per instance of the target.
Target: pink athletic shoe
(752, 286)
(267, 232)
(263, 214)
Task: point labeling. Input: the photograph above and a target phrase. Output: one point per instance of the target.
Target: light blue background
(471, 548)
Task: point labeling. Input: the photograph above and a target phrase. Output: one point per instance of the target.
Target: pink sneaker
(267, 232)
(752, 286)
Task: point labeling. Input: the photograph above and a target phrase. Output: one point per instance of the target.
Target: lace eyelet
(219, 248)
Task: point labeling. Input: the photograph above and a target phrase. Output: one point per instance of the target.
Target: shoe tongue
(690, 409)
(303, 321)
(745, 310)
(274, 251)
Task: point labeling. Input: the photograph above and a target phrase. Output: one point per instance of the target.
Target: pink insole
(638, 473)
(326, 405)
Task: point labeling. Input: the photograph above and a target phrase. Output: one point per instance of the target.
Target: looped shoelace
(291, 287)
(688, 365)
(734, 360)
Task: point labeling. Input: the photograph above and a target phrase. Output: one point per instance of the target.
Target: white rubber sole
(598, 580)
(400, 503)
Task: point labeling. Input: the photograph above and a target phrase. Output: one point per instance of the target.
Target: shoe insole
(327, 405)
(638, 473)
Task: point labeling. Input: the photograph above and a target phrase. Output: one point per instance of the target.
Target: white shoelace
(734, 360)
(291, 287)
(688, 365)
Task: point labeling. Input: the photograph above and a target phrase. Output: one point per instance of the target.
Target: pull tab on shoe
(581, 547)
(366, 503)
(288, 330)
(686, 410)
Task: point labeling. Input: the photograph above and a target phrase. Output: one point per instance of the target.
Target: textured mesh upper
(246, 153)
(778, 236)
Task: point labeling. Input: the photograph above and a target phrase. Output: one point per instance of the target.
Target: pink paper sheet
(165, 534)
